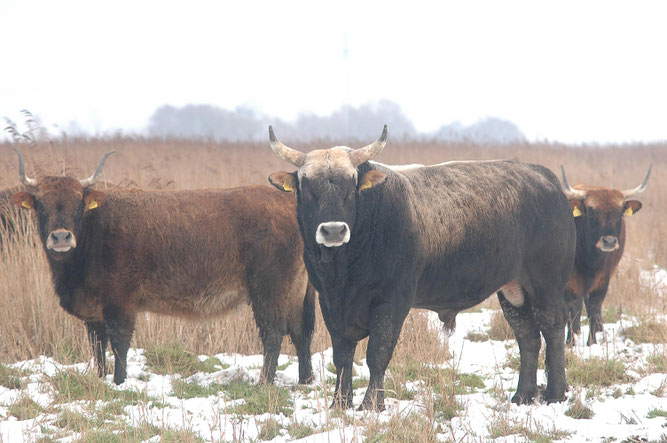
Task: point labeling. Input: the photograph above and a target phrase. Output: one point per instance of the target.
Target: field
(187, 379)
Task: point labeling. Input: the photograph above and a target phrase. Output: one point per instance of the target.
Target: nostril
(343, 229)
(609, 241)
(68, 236)
(54, 236)
(324, 230)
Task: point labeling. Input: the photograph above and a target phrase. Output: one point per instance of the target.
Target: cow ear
(631, 206)
(578, 208)
(24, 200)
(371, 178)
(92, 199)
(284, 181)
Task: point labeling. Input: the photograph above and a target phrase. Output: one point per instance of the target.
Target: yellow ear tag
(26, 205)
(287, 187)
(92, 205)
(366, 183)
(628, 211)
(576, 212)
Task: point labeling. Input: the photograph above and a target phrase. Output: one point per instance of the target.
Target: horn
(364, 154)
(571, 194)
(293, 156)
(98, 172)
(639, 189)
(22, 177)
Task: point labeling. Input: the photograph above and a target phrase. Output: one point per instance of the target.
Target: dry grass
(32, 323)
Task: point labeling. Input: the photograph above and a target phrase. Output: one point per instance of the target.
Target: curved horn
(571, 194)
(98, 172)
(22, 177)
(639, 189)
(293, 156)
(361, 155)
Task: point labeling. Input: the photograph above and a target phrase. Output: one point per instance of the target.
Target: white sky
(573, 71)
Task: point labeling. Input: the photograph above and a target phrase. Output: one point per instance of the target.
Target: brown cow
(185, 253)
(600, 225)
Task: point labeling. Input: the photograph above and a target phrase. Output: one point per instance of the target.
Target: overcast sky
(570, 71)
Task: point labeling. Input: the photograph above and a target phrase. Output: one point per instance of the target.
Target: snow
(620, 411)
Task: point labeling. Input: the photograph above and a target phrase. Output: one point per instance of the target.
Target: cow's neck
(67, 277)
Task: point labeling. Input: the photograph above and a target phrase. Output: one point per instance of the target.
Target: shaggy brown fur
(185, 253)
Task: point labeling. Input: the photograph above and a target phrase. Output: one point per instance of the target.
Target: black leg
(343, 356)
(552, 326)
(120, 327)
(97, 334)
(594, 311)
(302, 334)
(386, 321)
(271, 340)
(527, 336)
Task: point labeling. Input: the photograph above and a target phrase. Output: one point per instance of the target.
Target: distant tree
(488, 130)
(200, 121)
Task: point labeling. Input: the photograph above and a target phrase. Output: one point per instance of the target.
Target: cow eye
(349, 195)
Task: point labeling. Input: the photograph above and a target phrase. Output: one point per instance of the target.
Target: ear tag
(628, 211)
(92, 205)
(287, 187)
(366, 183)
(26, 205)
(576, 212)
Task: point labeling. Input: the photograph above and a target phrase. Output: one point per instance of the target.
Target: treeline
(362, 123)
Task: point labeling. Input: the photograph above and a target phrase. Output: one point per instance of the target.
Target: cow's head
(60, 204)
(327, 184)
(602, 210)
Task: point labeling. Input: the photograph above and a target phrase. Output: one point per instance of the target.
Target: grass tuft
(646, 332)
(174, 359)
(10, 377)
(413, 428)
(185, 389)
(578, 410)
(595, 371)
(25, 408)
(269, 429)
(499, 329)
(260, 399)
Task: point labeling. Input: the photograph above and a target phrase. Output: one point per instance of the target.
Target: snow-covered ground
(620, 411)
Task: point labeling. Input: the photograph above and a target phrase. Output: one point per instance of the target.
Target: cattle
(599, 215)
(191, 254)
(380, 241)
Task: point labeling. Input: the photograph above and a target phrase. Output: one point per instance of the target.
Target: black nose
(61, 237)
(609, 241)
(336, 230)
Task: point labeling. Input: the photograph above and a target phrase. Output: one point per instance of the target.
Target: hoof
(306, 380)
(551, 397)
(375, 407)
(523, 398)
(341, 403)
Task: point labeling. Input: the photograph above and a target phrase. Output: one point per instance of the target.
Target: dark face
(59, 204)
(604, 228)
(328, 188)
(327, 208)
(602, 213)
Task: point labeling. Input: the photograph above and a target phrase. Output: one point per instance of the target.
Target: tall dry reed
(32, 323)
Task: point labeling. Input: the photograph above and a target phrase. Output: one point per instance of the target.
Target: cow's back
(488, 217)
(188, 252)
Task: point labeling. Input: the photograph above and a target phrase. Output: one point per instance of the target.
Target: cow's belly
(215, 298)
